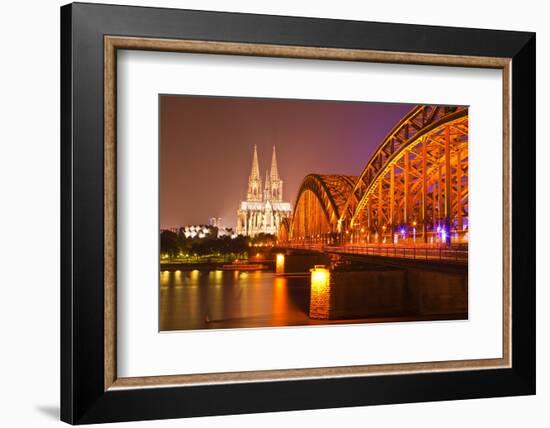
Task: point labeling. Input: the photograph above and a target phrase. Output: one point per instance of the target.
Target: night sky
(206, 146)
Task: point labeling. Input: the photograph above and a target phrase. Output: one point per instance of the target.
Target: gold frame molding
(113, 43)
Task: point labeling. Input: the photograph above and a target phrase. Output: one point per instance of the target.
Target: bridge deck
(421, 252)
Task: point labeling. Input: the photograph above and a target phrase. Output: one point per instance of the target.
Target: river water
(213, 299)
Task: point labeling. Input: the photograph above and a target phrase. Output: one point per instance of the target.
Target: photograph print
(290, 212)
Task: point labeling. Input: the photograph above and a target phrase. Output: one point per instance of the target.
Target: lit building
(202, 231)
(264, 208)
(216, 222)
(196, 231)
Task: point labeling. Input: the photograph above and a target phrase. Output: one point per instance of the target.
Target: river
(213, 299)
(217, 299)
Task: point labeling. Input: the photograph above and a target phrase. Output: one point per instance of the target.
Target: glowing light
(402, 231)
(280, 264)
(320, 276)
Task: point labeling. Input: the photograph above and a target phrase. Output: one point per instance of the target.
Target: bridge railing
(415, 253)
(458, 254)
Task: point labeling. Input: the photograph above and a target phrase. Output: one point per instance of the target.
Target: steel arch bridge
(414, 188)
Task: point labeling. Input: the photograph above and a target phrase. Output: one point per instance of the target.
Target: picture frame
(91, 35)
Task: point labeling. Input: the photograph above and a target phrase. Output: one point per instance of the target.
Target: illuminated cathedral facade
(264, 208)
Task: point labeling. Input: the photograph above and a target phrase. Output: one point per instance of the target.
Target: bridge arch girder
(420, 121)
(416, 182)
(318, 205)
(420, 189)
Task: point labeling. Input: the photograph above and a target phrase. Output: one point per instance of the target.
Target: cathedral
(264, 209)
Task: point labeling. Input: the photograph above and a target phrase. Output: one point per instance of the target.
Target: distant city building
(264, 208)
(216, 222)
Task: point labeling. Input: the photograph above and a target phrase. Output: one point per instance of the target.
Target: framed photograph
(376, 242)
(320, 213)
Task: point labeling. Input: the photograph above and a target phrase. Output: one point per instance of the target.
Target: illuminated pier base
(320, 302)
(279, 264)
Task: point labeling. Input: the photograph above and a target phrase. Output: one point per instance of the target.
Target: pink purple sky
(206, 146)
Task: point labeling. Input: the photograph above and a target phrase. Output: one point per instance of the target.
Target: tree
(169, 243)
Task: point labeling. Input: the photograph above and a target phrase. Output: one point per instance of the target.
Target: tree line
(174, 244)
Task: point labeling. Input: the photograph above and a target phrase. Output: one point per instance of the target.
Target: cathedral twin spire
(274, 171)
(255, 174)
(254, 181)
(273, 190)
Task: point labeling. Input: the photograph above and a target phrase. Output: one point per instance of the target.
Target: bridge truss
(414, 188)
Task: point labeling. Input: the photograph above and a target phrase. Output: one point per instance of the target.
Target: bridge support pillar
(319, 303)
(279, 264)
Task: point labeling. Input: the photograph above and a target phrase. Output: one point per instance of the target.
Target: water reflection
(231, 299)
